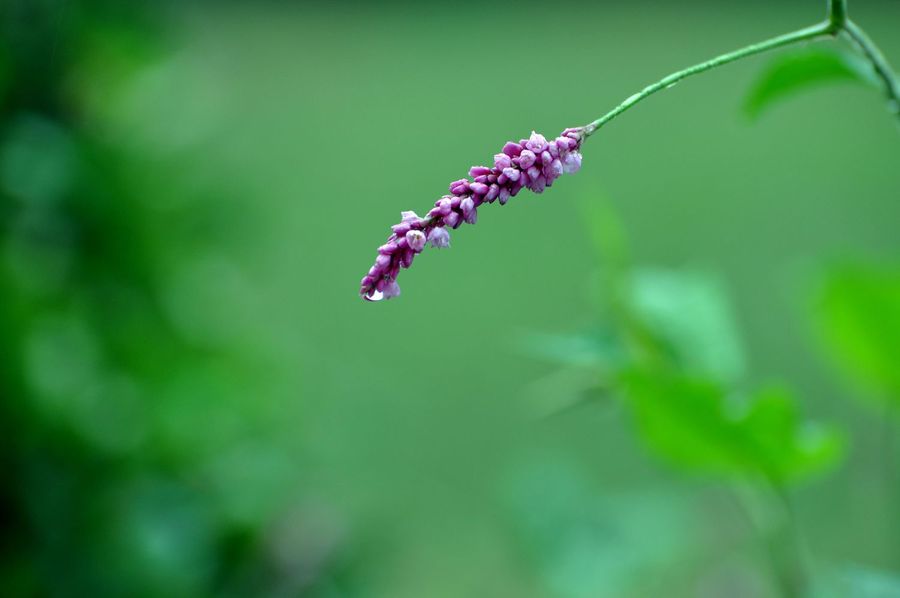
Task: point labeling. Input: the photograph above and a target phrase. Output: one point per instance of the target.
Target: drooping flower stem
(535, 163)
(836, 23)
(809, 33)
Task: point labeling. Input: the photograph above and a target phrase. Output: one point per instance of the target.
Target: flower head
(534, 163)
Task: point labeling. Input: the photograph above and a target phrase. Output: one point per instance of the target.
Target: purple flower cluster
(533, 163)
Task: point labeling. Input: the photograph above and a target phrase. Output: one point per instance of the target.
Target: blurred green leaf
(866, 582)
(567, 389)
(589, 349)
(606, 230)
(790, 73)
(778, 435)
(858, 313)
(586, 541)
(38, 161)
(686, 314)
(691, 422)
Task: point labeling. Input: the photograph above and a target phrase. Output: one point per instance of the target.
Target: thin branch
(836, 23)
(819, 31)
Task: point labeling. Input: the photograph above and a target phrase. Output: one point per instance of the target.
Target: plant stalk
(837, 22)
(809, 33)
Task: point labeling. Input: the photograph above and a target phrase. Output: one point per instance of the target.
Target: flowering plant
(536, 163)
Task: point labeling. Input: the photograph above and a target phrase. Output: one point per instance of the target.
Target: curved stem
(825, 29)
(837, 22)
(879, 63)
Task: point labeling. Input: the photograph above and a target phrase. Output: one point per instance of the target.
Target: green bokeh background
(198, 403)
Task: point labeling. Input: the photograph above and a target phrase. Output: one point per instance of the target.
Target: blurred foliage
(857, 310)
(690, 421)
(796, 71)
(865, 582)
(581, 542)
(130, 466)
(675, 356)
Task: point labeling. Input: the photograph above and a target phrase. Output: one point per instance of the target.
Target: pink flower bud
(512, 173)
(439, 237)
(466, 205)
(460, 187)
(527, 159)
(572, 163)
(443, 206)
(416, 240)
(391, 290)
(564, 144)
(479, 188)
(512, 149)
(451, 220)
(536, 143)
(382, 261)
(406, 258)
(556, 168)
(470, 214)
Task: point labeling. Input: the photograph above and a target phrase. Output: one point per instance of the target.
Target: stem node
(837, 15)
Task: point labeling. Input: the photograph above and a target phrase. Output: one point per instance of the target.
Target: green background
(198, 403)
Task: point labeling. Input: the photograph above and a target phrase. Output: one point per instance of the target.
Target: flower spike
(532, 163)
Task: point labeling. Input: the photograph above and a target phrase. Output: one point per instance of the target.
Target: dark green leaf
(790, 73)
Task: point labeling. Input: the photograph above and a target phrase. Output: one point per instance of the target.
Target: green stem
(809, 33)
(837, 14)
(788, 548)
(879, 63)
(770, 513)
(837, 22)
